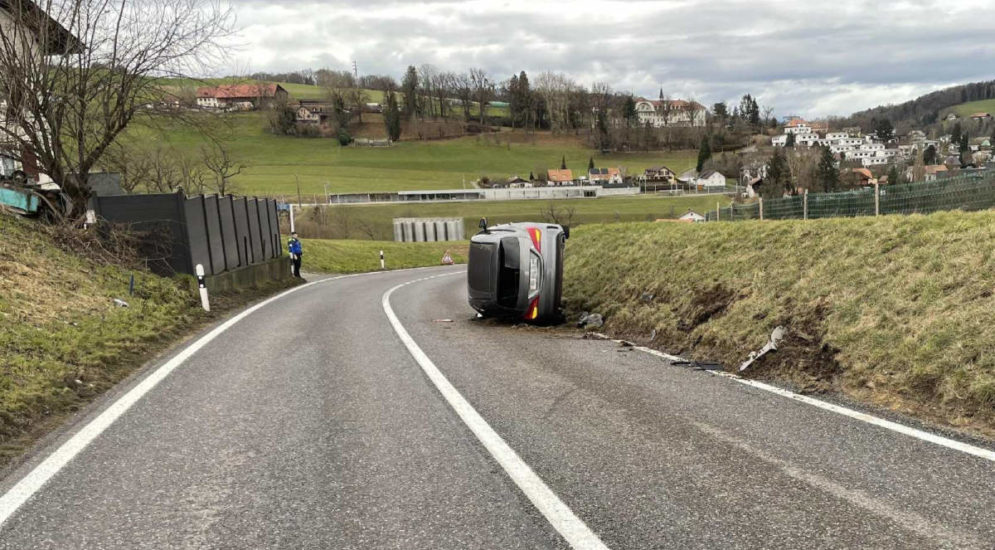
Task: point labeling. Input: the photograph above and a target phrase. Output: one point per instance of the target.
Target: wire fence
(973, 191)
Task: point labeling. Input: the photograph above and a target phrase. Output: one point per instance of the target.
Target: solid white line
(856, 415)
(570, 527)
(37, 477)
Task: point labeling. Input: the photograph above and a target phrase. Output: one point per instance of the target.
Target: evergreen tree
(893, 176)
(704, 153)
(964, 148)
(955, 134)
(777, 183)
(827, 175)
(720, 111)
(929, 155)
(392, 116)
(590, 163)
(563, 163)
(532, 176)
(629, 111)
(883, 129)
(790, 142)
(409, 87)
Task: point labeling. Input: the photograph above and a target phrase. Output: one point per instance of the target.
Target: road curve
(308, 424)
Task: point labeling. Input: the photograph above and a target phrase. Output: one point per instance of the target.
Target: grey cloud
(800, 57)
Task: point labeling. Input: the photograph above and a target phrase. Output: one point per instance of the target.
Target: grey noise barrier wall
(176, 232)
(420, 230)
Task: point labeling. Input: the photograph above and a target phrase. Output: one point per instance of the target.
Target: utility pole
(355, 71)
(300, 201)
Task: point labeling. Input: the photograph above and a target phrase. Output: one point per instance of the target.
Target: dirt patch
(707, 305)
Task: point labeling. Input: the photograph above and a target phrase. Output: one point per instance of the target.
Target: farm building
(240, 97)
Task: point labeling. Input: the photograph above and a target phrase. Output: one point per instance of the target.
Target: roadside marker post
(805, 205)
(877, 199)
(291, 218)
(718, 212)
(383, 266)
(761, 209)
(204, 301)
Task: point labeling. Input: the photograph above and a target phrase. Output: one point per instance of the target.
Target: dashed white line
(561, 517)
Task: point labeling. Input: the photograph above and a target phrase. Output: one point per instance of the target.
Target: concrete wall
(252, 276)
(428, 229)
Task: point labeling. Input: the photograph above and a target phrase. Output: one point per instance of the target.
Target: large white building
(670, 112)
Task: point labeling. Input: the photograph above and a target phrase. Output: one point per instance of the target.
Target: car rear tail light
(533, 312)
(536, 235)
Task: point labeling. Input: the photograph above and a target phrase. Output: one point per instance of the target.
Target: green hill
(275, 164)
(893, 310)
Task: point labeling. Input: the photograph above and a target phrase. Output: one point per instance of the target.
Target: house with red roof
(670, 112)
(240, 97)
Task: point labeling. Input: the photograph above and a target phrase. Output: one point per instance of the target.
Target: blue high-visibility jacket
(294, 246)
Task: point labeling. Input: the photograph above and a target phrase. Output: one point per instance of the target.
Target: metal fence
(973, 191)
(177, 232)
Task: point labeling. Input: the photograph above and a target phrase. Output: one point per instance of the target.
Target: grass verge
(892, 310)
(63, 341)
(341, 256)
(362, 221)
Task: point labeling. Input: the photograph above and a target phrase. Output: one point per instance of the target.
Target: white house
(692, 217)
(779, 141)
(710, 180)
(670, 112)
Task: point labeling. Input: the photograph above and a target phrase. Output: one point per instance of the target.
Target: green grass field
(362, 221)
(274, 164)
(894, 310)
(968, 109)
(344, 256)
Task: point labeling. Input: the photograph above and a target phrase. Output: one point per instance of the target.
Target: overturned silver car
(515, 270)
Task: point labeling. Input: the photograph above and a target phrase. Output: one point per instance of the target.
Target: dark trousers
(297, 265)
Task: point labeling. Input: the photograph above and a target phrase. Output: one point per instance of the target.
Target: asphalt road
(308, 424)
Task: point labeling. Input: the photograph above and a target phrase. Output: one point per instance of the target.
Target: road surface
(309, 424)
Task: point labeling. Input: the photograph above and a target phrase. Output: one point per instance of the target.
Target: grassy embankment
(274, 164)
(358, 221)
(62, 339)
(336, 256)
(894, 310)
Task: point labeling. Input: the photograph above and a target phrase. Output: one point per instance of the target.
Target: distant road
(309, 424)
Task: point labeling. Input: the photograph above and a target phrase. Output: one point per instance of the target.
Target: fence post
(805, 205)
(877, 199)
(718, 212)
(761, 209)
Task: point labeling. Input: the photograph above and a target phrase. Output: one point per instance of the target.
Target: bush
(343, 136)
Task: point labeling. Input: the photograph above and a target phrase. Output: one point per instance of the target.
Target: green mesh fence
(974, 191)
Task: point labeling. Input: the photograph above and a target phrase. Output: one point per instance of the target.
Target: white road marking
(857, 415)
(40, 474)
(570, 527)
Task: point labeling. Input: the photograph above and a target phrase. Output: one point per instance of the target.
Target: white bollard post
(877, 199)
(203, 288)
(382, 265)
(292, 218)
(761, 209)
(805, 205)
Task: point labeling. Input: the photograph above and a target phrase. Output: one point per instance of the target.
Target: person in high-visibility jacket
(296, 251)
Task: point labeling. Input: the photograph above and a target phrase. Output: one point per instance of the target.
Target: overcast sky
(805, 57)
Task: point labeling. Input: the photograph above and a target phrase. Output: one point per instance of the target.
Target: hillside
(926, 109)
(971, 107)
(892, 310)
(362, 221)
(274, 164)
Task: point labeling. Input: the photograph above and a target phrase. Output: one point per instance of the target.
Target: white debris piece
(120, 303)
(775, 339)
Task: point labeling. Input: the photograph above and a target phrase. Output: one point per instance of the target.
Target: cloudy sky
(805, 57)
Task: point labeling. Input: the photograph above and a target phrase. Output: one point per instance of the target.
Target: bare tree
(222, 167)
(76, 72)
(483, 90)
(559, 216)
(464, 92)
